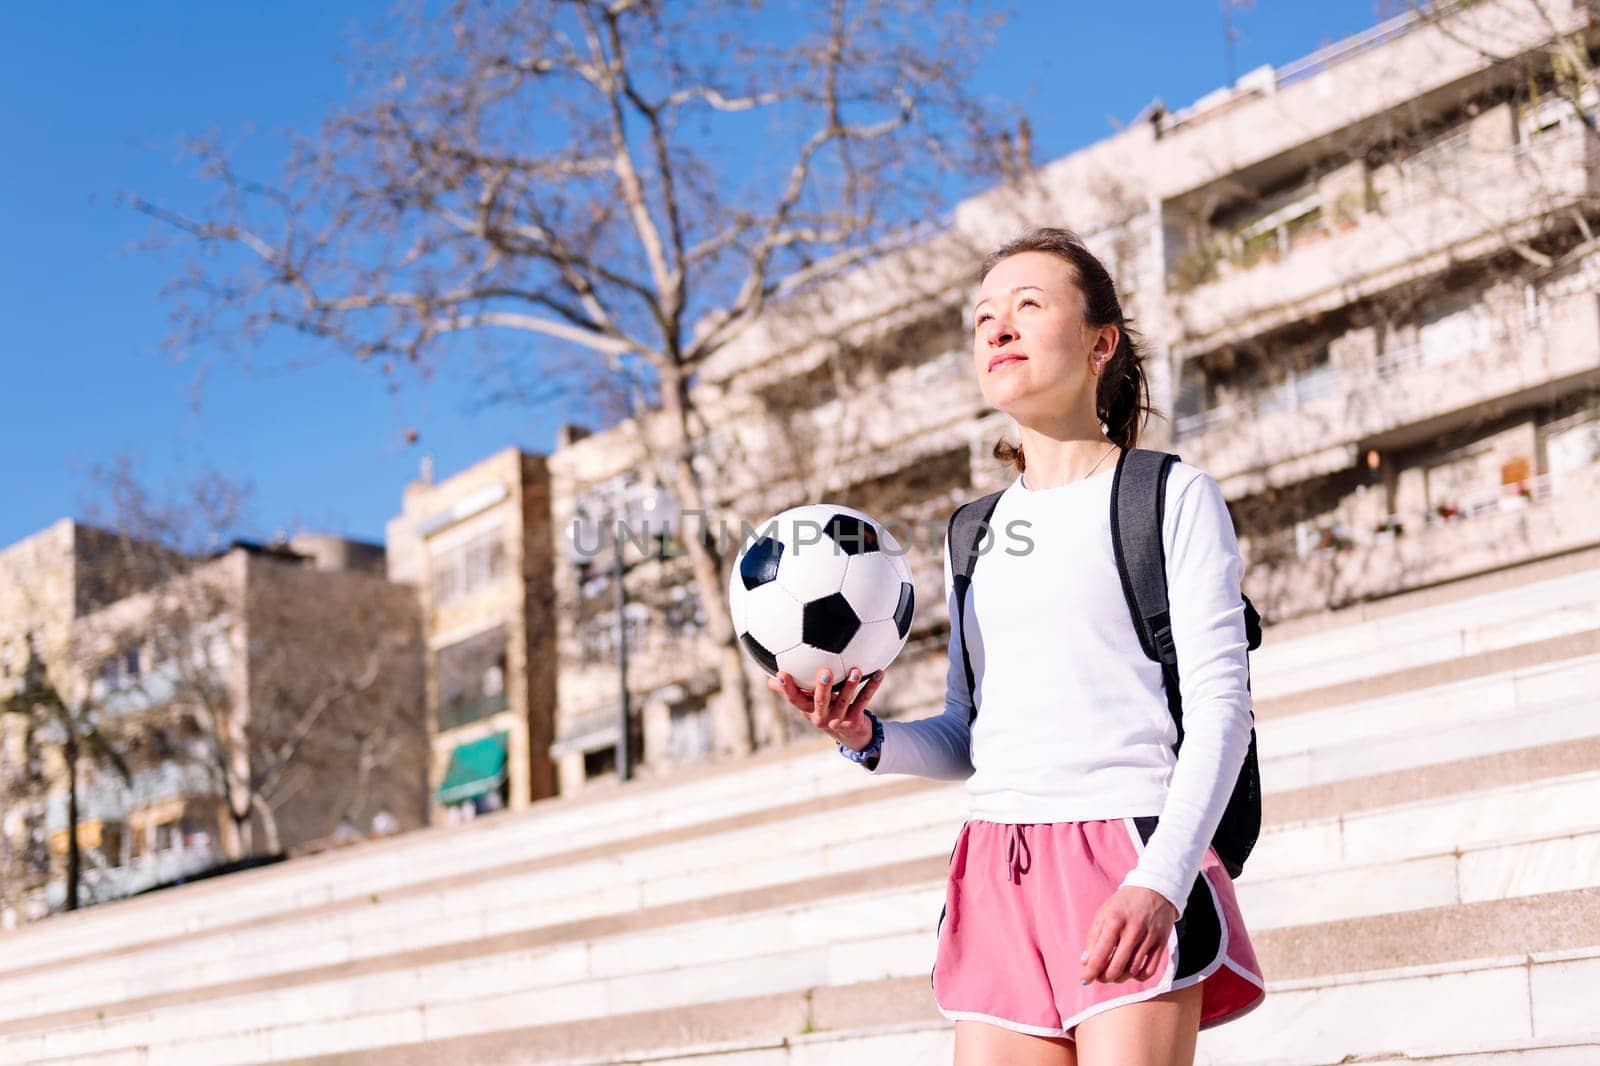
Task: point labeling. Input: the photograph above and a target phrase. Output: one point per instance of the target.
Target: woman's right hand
(841, 714)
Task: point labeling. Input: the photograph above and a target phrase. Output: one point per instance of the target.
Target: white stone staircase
(1426, 889)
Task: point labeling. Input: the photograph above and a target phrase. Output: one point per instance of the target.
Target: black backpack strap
(1138, 507)
(964, 535)
(1138, 499)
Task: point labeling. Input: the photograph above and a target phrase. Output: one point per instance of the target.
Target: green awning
(474, 769)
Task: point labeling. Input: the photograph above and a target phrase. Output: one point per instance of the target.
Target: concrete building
(258, 699)
(476, 548)
(48, 581)
(1370, 309)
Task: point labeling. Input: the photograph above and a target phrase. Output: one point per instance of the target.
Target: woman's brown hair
(1122, 396)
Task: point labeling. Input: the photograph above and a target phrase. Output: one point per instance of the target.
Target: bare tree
(628, 181)
(75, 728)
(296, 691)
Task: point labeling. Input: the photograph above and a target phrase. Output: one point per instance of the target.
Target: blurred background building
(235, 706)
(477, 547)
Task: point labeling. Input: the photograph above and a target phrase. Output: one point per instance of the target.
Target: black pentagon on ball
(852, 534)
(829, 623)
(903, 609)
(760, 563)
(764, 658)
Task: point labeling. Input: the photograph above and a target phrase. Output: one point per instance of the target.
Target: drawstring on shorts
(1016, 848)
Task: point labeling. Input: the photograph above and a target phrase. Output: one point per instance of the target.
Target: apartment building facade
(255, 700)
(47, 581)
(1371, 307)
(476, 548)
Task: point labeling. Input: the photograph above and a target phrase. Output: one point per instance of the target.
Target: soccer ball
(821, 586)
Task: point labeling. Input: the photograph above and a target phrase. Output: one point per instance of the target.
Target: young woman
(1087, 920)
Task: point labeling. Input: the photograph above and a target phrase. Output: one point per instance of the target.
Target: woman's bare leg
(1161, 1031)
(983, 1044)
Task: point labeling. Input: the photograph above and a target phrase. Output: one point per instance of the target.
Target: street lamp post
(648, 514)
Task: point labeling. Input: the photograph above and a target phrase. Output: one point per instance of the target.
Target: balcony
(1456, 205)
(1334, 565)
(1403, 394)
(1405, 63)
(765, 457)
(101, 883)
(848, 436)
(461, 712)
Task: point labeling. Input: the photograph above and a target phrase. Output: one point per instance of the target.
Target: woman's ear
(1111, 335)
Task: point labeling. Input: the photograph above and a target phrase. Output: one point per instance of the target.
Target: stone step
(1537, 820)
(769, 780)
(890, 934)
(810, 769)
(1483, 665)
(345, 879)
(1520, 708)
(1529, 601)
(1472, 977)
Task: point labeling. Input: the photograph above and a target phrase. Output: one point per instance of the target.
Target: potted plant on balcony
(1446, 511)
(1389, 527)
(1514, 496)
(1347, 209)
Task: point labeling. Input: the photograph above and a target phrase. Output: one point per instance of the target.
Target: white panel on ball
(874, 646)
(872, 584)
(772, 616)
(811, 570)
(802, 662)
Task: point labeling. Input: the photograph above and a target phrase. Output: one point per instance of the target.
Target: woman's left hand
(1127, 935)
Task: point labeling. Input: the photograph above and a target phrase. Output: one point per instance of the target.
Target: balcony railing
(1297, 389)
(102, 883)
(1303, 388)
(460, 713)
(1336, 53)
(1465, 202)
(1334, 534)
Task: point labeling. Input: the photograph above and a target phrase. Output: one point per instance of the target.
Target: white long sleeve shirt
(1072, 718)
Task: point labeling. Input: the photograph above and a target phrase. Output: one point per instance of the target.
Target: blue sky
(94, 101)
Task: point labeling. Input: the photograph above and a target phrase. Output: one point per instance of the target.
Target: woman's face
(1033, 353)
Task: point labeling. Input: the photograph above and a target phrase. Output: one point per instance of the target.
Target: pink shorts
(1018, 905)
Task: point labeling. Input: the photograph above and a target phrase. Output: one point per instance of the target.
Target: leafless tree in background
(297, 691)
(626, 182)
(75, 728)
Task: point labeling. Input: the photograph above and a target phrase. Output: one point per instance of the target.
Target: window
(600, 762)
(1554, 113)
(1572, 444)
(690, 732)
(598, 636)
(467, 567)
(1279, 230)
(683, 616)
(1189, 405)
(1451, 334)
(472, 678)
